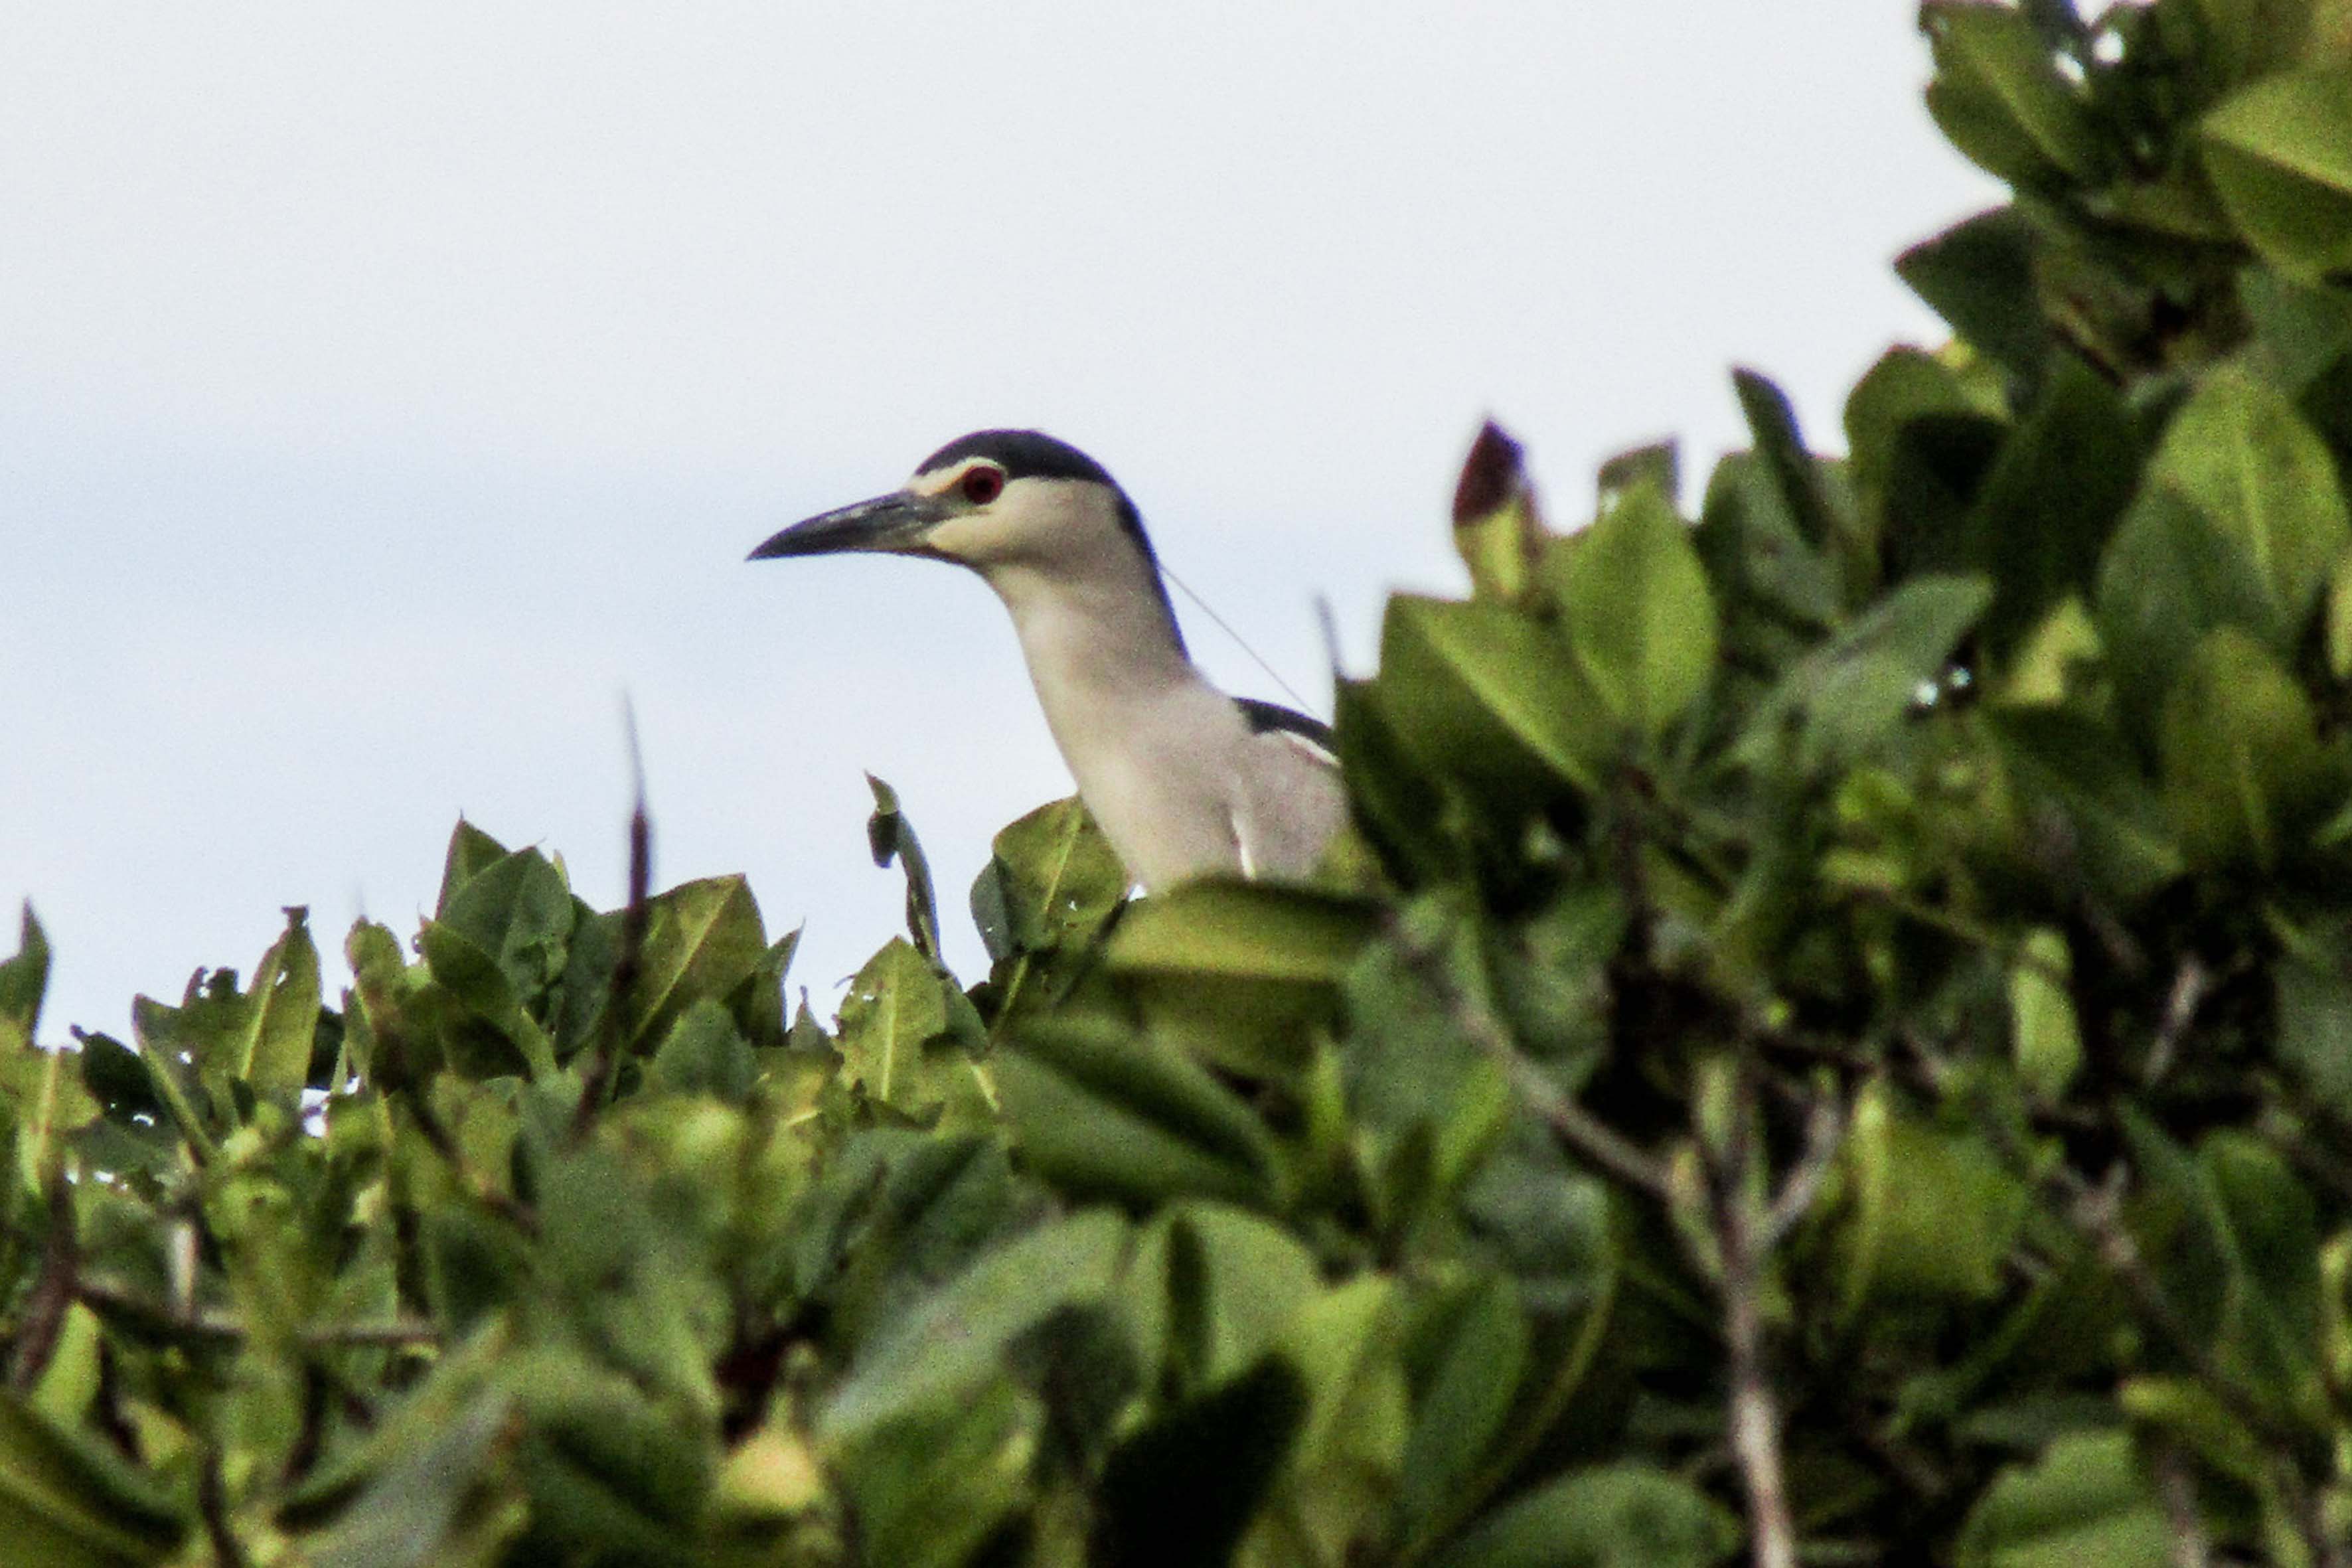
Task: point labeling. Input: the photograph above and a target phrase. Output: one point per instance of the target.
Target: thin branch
(1825, 1126)
(1755, 1419)
(1571, 1122)
(596, 1081)
(2176, 1491)
(2190, 985)
(2092, 1211)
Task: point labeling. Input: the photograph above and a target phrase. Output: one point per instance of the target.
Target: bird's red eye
(982, 485)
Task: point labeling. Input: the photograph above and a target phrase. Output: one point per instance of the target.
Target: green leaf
(1469, 1376)
(2279, 153)
(2052, 498)
(66, 1502)
(1627, 1515)
(1657, 466)
(23, 979)
(1998, 97)
(704, 1053)
(2272, 1329)
(1052, 878)
(2233, 1240)
(1208, 928)
(1979, 276)
(2245, 774)
(893, 1010)
(410, 1515)
(1484, 694)
(1796, 475)
(1211, 1289)
(933, 1488)
(1638, 614)
(2243, 457)
(2083, 1501)
(957, 1338)
(1926, 1212)
(2079, 785)
(2169, 577)
(657, 1461)
(2314, 1006)
(1181, 1490)
(1342, 1341)
(2246, 38)
(273, 1049)
(44, 1097)
(1238, 973)
(473, 977)
(703, 940)
(1922, 435)
(1102, 1112)
(1841, 698)
(472, 851)
(2048, 1041)
(1775, 590)
(171, 1045)
(517, 909)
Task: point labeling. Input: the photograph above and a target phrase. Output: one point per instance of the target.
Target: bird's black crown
(1022, 454)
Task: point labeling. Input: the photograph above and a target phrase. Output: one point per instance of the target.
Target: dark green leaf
(1181, 1490)
(1103, 1112)
(2279, 153)
(1628, 1515)
(1841, 698)
(1979, 276)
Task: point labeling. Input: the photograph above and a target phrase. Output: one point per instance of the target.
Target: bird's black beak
(896, 521)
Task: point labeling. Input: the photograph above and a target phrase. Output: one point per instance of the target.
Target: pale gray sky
(386, 390)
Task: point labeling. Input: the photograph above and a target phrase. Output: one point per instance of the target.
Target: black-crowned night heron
(1184, 780)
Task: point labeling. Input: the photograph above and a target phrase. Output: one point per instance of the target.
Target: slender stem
(1741, 1240)
(2190, 986)
(1825, 1126)
(612, 1034)
(1569, 1121)
(2176, 1492)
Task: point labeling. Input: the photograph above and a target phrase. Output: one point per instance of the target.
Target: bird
(1185, 781)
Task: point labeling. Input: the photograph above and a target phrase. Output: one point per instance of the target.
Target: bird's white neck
(1098, 640)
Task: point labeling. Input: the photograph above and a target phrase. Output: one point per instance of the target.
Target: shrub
(1833, 1034)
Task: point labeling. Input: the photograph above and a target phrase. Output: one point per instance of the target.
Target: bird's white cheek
(964, 538)
(987, 539)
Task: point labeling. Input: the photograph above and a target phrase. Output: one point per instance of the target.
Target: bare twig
(2191, 984)
(1825, 1125)
(1571, 1122)
(1755, 1421)
(2095, 1212)
(595, 1082)
(2176, 1491)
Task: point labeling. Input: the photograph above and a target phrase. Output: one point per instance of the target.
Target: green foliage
(1833, 1034)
